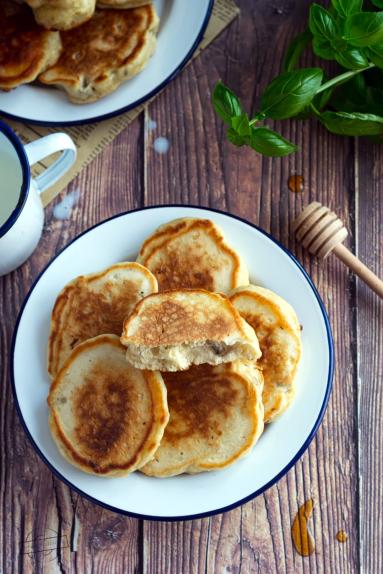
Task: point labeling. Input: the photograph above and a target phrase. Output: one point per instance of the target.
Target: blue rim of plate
(12, 137)
(242, 500)
(138, 102)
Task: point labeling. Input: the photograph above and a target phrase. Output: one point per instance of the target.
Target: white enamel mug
(21, 210)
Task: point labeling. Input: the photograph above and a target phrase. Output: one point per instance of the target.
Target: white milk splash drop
(151, 125)
(161, 145)
(63, 209)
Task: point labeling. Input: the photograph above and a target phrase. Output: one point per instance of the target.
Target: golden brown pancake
(98, 56)
(277, 328)
(193, 253)
(26, 49)
(216, 417)
(95, 304)
(62, 14)
(172, 330)
(106, 417)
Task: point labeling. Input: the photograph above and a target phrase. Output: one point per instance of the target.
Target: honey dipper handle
(359, 269)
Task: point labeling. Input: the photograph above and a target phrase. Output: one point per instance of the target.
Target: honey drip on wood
(341, 536)
(302, 539)
(295, 183)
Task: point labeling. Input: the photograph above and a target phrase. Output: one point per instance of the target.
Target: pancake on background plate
(62, 14)
(277, 327)
(95, 304)
(26, 49)
(106, 417)
(172, 330)
(113, 46)
(216, 417)
(193, 253)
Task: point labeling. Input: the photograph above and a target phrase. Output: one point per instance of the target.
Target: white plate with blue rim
(182, 26)
(187, 496)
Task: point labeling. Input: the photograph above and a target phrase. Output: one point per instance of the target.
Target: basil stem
(342, 78)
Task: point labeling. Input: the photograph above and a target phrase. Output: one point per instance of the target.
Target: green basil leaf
(290, 92)
(378, 3)
(356, 89)
(305, 113)
(352, 124)
(340, 45)
(364, 28)
(341, 23)
(347, 7)
(241, 124)
(322, 23)
(234, 137)
(295, 50)
(322, 99)
(352, 59)
(368, 101)
(362, 94)
(323, 48)
(375, 53)
(226, 103)
(270, 143)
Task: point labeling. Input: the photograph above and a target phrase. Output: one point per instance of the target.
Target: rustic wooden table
(341, 471)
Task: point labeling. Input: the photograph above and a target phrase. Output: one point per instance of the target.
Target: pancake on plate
(277, 327)
(172, 330)
(106, 417)
(121, 4)
(26, 49)
(95, 304)
(193, 253)
(113, 46)
(62, 14)
(216, 417)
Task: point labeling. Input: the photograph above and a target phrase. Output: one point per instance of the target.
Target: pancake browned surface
(122, 4)
(193, 253)
(93, 305)
(98, 56)
(216, 417)
(172, 330)
(62, 14)
(277, 328)
(26, 49)
(106, 417)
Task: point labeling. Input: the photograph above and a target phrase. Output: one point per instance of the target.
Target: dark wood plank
(369, 247)
(201, 167)
(45, 527)
(179, 547)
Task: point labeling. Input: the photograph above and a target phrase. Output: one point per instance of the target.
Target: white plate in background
(186, 496)
(182, 25)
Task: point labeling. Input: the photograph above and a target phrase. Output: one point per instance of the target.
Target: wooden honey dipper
(322, 232)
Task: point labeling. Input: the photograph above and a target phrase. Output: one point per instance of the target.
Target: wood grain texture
(369, 318)
(45, 527)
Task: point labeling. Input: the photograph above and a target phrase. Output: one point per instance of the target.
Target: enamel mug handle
(41, 148)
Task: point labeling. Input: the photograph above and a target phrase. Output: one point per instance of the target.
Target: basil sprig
(350, 103)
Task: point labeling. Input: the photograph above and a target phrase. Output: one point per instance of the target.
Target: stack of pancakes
(84, 47)
(171, 364)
